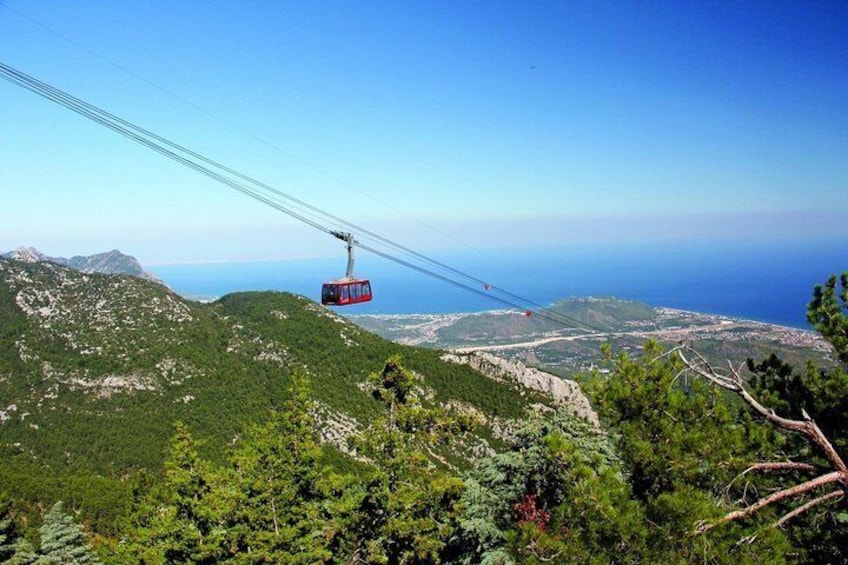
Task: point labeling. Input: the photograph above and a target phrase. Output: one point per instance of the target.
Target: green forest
(693, 463)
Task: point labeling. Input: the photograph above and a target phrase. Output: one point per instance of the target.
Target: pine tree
(179, 520)
(820, 394)
(25, 553)
(8, 536)
(682, 442)
(558, 495)
(828, 314)
(409, 508)
(63, 541)
(279, 507)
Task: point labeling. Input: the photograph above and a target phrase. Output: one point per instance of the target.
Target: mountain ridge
(109, 262)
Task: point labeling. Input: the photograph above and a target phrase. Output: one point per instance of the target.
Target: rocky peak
(25, 254)
(110, 262)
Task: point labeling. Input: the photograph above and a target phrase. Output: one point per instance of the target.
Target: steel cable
(306, 213)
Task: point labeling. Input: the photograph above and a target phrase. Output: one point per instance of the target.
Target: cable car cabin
(343, 292)
(347, 290)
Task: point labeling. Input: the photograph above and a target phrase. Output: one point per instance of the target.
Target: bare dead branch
(768, 467)
(784, 494)
(532, 549)
(779, 466)
(834, 495)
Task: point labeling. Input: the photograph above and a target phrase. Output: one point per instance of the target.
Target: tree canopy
(691, 463)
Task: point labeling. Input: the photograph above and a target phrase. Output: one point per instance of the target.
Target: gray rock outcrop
(563, 392)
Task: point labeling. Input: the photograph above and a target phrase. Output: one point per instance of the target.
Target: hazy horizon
(439, 125)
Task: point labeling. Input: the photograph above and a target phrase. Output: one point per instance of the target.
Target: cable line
(126, 129)
(281, 201)
(298, 160)
(302, 162)
(543, 313)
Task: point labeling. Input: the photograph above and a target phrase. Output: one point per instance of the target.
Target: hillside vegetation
(139, 428)
(95, 369)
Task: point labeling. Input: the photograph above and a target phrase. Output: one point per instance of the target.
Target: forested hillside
(175, 432)
(95, 370)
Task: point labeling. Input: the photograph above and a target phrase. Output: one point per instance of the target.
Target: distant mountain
(95, 369)
(25, 254)
(110, 262)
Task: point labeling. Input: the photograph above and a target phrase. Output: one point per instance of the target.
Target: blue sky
(438, 124)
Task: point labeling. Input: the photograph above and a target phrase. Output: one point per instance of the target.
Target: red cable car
(342, 292)
(347, 290)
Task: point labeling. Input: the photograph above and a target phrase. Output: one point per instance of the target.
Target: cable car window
(354, 291)
(344, 293)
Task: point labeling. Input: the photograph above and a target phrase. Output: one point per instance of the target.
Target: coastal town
(569, 350)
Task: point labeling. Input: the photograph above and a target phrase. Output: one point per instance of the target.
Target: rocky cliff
(561, 391)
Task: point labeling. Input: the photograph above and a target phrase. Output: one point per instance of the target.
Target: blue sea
(766, 281)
